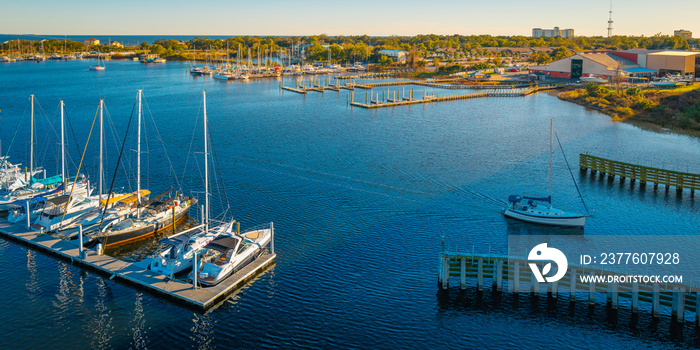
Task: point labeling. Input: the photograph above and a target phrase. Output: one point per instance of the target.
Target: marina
(136, 274)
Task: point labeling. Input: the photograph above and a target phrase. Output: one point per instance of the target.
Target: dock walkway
(499, 268)
(644, 174)
(200, 299)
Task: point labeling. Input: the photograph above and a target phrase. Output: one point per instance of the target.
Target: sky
(356, 17)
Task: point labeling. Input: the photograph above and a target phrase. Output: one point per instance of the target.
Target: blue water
(360, 200)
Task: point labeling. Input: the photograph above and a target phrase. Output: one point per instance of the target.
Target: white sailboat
(98, 66)
(176, 253)
(539, 210)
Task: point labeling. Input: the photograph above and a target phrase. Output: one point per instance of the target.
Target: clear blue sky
(346, 17)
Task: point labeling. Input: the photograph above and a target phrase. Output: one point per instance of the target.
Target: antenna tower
(610, 21)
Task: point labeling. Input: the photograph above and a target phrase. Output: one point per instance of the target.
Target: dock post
(572, 286)
(674, 304)
(29, 220)
(366, 97)
(514, 284)
(591, 293)
(555, 289)
(697, 310)
(80, 241)
(498, 269)
(635, 298)
(534, 286)
(462, 273)
(272, 237)
(615, 294)
(194, 270)
(347, 101)
(480, 276)
(655, 301)
(446, 273)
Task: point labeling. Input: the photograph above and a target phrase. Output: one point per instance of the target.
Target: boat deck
(200, 299)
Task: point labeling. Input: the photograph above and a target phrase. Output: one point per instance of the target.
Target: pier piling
(480, 276)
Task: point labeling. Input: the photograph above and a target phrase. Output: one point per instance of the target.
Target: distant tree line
(347, 49)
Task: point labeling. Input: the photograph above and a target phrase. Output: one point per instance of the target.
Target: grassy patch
(677, 109)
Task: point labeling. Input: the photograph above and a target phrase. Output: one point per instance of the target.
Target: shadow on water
(539, 307)
(517, 227)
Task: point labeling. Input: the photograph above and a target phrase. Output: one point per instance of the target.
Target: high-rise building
(552, 33)
(685, 34)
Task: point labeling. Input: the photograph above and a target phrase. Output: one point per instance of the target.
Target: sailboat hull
(562, 220)
(115, 238)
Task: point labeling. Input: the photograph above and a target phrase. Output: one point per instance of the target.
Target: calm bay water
(360, 200)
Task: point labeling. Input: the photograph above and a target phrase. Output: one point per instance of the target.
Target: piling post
(80, 241)
(194, 270)
(366, 97)
(499, 275)
(655, 301)
(591, 293)
(462, 273)
(697, 309)
(635, 298)
(674, 304)
(534, 286)
(347, 101)
(480, 276)
(555, 289)
(446, 273)
(29, 220)
(516, 278)
(615, 295)
(572, 286)
(272, 238)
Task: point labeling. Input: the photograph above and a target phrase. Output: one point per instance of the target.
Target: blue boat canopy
(48, 181)
(23, 202)
(516, 199)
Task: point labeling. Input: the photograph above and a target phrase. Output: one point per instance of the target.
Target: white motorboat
(176, 254)
(227, 254)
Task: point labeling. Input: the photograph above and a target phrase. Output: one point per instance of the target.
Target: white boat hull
(565, 220)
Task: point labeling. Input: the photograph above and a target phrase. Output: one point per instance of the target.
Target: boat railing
(186, 231)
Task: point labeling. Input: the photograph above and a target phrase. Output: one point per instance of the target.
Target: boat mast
(63, 152)
(206, 168)
(551, 132)
(138, 161)
(31, 141)
(101, 141)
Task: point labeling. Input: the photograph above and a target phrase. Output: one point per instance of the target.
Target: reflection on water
(101, 330)
(138, 325)
(32, 282)
(202, 331)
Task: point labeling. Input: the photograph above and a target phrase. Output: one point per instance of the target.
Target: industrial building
(552, 33)
(635, 63)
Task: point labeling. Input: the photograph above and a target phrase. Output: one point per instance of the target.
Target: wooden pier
(644, 174)
(513, 275)
(200, 299)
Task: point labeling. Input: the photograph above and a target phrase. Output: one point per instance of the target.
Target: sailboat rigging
(539, 210)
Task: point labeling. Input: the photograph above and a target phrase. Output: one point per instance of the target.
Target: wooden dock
(644, 174)
(135, 274)
(516, 275)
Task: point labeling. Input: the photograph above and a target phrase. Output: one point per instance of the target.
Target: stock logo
(543, 253)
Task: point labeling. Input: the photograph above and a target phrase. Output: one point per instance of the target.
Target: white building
(552, 33)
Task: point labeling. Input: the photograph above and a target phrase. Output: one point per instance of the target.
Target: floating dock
(200, 299)
(644, 174)
(680, 298)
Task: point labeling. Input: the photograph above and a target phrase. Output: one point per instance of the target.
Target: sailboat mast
(101, 142)
(63, 151)
(206, 168)
(31, 141)
(551, 132)
(138, 160)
